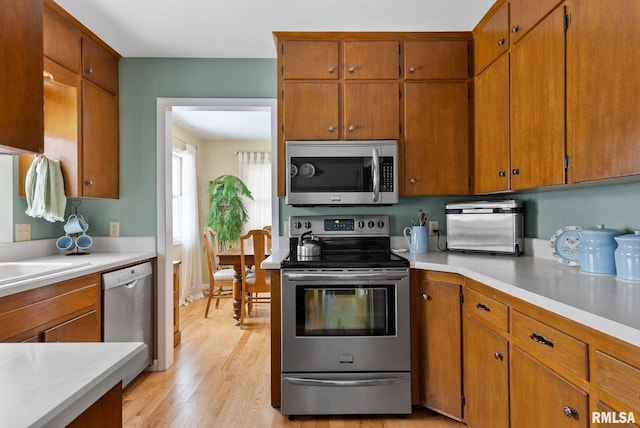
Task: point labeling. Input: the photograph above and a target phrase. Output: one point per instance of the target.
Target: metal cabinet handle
(412, 69)
(515, 171)
(331, 128)
(425, 296)
(500, 42)
(570, 412)
(515, 29)
(541, 340)
(483, 307)
(331, 69)
(351, 128)
(412, 181)
(498, 356)
(89, 182)
(90, 70)
(502, 174)
(351, 69)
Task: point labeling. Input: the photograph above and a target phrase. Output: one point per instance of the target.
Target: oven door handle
(347, 383)
(375, 173)
(346, 276)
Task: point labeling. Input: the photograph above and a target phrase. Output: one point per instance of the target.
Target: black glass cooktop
(347, 260)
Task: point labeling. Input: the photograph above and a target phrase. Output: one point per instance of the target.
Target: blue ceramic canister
(627, 257)
(597, 247)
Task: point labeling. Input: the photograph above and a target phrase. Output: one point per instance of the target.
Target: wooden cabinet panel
(436, 138)
(549, 343)
(99, 66)
(618, 379)
(603, 89)
(371, 111)
(492, 39)
(538, 105)
(372, 59)
(440, 360)
(21, 91)
(61, 40)
(487, 310)
(491, 136)
(525, 14)
(541, 398)
(311, 111)
(486, 376)
(602, 407)
(436, 59)
(320, 60)
(100, 143)
(85, 328)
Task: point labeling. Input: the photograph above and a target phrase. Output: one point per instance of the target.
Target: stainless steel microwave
(342, 172)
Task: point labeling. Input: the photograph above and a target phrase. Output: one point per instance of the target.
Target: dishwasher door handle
(131, 284)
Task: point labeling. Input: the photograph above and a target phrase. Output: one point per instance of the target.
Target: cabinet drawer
(487, 310)
(547, 342)
(618, 379)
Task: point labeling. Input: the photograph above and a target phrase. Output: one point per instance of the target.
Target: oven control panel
(349, 225)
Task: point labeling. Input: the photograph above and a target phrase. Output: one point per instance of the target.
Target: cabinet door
(491, 137)
(436, 59)
(311, 60)
(436, 138)
(526, 13)
(85, 328)
(379, 59)
(371, 111)
(603, 89)
(21, 92)
(492, 39)
(311, 111)
(541, 398)
(440, 347)
(61, 40)
(99, 66)
(100, 143)
(538, 105)
(486, 377)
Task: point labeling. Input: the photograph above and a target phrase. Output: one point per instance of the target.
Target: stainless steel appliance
(486, 227)
(342, 172)
(345, 320)
(127, 300)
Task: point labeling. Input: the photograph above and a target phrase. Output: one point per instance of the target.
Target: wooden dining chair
(254, 287)
(220, 280)
(268, 229)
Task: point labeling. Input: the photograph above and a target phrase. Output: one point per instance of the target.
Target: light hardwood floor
(220, 378)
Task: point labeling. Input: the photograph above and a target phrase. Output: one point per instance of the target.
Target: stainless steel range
(345, 319)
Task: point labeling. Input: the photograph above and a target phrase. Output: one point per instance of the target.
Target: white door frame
(164, 312)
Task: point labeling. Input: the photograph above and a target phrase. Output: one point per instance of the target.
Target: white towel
(44, 188)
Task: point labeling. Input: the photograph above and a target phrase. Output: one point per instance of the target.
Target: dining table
(231, 257)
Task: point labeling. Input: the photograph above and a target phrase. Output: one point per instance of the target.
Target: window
(176, 192)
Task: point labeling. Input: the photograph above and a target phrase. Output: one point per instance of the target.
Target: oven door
(354, 320)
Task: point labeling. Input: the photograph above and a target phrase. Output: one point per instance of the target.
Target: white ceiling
(243, 29)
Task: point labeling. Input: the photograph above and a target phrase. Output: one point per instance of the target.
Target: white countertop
(50, 384)
(600, 302)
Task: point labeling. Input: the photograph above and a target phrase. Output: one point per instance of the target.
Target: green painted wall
(143, 80)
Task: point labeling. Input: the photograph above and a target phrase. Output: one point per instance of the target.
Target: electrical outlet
(434, 226)
(114, 228)
(23, 232)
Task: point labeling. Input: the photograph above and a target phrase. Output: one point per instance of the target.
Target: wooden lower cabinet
(486, 376)
(79, 329)
(542, 398)
(439, 349)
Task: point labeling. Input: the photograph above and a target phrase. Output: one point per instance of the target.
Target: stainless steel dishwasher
(127, 301)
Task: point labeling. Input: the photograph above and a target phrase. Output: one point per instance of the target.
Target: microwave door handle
(375, 173)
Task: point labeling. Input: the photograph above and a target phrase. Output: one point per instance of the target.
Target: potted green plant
(227, 213)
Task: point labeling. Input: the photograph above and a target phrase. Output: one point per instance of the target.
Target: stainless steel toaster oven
(495, 227)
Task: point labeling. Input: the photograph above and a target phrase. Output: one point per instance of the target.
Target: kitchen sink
(19, 271)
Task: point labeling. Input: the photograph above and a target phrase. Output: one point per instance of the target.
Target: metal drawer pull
(362, 382)
(570, 412)
(498, 356)
(541, 339)
(425, 296)
(483, 307)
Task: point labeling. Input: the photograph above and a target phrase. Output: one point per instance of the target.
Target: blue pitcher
(416, 237)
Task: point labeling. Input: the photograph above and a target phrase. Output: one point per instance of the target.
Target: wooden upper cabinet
(99, 65)
(371, 111)
(436, 59)
(320, 60)
(603, 89)
(311, 110)
(538, 105)
(376, 59)
(525, 14)
(21, 91)
(492, 38)
(61, 40)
